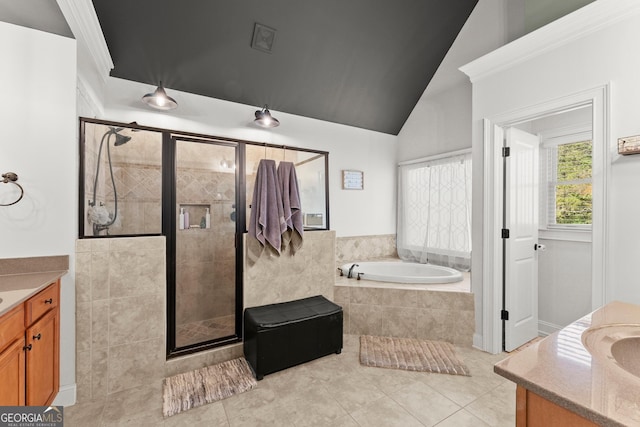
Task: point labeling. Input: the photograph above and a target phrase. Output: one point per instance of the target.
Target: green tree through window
(572, 186)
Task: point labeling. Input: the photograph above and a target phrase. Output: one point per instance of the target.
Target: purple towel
(291, 202)
(267, 221)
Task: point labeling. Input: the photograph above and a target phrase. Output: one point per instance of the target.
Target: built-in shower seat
(279, 336)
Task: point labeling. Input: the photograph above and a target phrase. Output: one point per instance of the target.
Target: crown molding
(88, 94)
(587, 20)
(83, 21)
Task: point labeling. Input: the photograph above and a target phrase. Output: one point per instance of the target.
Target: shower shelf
(197, 212)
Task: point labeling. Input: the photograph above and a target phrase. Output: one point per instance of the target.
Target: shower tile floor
(205, 330)
(332, 391)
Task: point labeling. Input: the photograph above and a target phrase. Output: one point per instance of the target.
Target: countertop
(560, 369)
(21, 278)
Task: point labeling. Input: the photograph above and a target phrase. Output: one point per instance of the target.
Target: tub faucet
(349, 275)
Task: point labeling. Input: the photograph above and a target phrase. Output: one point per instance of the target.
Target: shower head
(121, 139)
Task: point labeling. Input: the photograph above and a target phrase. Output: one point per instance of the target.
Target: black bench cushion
(274, 315)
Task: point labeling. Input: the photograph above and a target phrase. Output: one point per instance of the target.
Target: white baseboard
(477, 341)
(66, 396)
(546, 328)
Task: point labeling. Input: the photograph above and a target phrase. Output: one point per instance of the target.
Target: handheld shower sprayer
(99, 217)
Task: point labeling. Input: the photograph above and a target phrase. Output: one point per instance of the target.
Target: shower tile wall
(120, 314)
(121, 320)
(269, 278)
(205, 263)
(360, 248)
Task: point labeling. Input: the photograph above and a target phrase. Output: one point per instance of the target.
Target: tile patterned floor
(332, 391)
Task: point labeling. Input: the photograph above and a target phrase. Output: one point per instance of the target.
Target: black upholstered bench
(278, 336)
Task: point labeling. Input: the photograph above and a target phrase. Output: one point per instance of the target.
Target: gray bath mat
(206, 385)
(411, 354)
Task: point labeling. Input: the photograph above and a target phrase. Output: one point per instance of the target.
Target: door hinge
(506, 151)
(505, 233)
(504, 315)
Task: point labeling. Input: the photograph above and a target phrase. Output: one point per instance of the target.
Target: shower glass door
(205, 243)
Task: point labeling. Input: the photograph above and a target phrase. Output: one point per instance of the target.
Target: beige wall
(361, 248)
(121, 315)
(269, 278)
(432, 315)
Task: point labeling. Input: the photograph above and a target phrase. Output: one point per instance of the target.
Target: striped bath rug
(411, 354)
(206, 385)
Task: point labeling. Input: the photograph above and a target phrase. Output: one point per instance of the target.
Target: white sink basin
(618, 344)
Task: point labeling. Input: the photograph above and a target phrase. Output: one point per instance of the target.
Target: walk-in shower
(195, 191)
(98, 214)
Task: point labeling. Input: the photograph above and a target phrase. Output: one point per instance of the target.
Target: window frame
(552, 139)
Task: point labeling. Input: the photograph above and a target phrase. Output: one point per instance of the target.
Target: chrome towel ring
(12, 178)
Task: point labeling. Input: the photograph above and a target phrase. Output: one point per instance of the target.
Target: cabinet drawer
(11, 325)
(42, 302)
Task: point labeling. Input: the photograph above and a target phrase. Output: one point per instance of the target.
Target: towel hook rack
(12, 178)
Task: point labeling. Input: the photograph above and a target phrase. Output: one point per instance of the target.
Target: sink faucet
(349, 275)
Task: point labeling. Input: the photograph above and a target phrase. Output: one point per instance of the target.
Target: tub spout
(350, 275)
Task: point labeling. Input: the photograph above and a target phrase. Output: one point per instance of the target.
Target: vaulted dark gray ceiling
(363, 63)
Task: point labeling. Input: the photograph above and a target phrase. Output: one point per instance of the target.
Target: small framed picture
(352, 180)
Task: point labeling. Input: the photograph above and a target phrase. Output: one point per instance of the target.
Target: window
(434, 210)
(566, 165)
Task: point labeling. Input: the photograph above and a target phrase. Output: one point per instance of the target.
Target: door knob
(538, 247)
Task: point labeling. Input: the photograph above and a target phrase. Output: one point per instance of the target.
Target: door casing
(490, 288)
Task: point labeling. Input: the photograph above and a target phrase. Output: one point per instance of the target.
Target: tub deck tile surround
(435, 311)
(365, 247)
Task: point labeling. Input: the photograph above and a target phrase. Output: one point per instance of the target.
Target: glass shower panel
(122, 188)
(311, 172)
(205, 242)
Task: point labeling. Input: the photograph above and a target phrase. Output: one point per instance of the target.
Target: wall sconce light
(159, 99)
(265, 119)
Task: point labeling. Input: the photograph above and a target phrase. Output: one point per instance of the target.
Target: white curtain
(434, 211)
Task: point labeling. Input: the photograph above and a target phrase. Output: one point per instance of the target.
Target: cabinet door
(12, 375)
(42, 360)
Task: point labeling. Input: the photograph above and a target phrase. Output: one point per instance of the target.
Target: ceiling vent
(263, 38)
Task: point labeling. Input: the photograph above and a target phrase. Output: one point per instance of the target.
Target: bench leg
(338, 351)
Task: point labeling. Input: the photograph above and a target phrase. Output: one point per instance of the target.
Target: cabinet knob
(48, 301)
(37, 337)
(27, 347)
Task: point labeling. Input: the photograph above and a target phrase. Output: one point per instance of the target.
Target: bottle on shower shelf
(207, 217)
(181, 219)
(187, 223)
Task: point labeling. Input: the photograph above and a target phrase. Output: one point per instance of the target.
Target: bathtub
(401, 272)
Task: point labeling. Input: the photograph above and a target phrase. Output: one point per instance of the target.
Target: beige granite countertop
(21, 278)
(560, 369)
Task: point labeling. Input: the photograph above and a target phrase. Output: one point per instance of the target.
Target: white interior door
(521, 219)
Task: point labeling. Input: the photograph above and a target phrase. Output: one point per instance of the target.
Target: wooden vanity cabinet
(12, 373)
(30, 349)
(533, 410)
